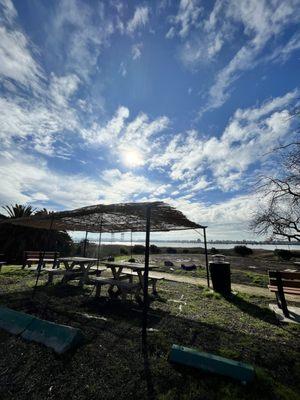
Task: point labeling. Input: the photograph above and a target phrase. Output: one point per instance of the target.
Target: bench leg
(281, 297)
(50, 278)
(154, 282)
(98, 290)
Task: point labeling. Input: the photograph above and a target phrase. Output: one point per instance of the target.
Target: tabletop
(126, 264)
(78, 259)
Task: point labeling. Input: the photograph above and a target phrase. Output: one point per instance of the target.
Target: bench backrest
(39, 254)
(288, 279)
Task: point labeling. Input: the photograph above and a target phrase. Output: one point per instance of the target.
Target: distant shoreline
(219, 245)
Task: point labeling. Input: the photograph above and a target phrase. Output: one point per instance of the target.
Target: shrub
(283, 254)
(243, 250)
(213, 250)
(138, 249)
(123, 251)
(185, 251)
(154, 249)
(171, 250)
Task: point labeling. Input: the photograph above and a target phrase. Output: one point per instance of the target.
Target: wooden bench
(68, 275)
(37, 257)
(284, 283)
(152, 279)
(124, 287)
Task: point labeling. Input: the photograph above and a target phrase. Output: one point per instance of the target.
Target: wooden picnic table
(117, 268)
(84, 264)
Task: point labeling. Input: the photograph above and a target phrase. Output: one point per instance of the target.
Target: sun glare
(132, 158)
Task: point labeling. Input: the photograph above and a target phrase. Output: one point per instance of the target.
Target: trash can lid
(217, 258)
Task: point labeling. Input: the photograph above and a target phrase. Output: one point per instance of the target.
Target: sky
(178, 101)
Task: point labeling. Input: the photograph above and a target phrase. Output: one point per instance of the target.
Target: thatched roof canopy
(121, 217)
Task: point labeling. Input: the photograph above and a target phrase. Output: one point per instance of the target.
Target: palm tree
(18, 210)
(14, 239)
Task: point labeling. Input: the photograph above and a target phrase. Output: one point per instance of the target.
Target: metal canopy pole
(131, 244)
(146, 272)
(41, 259)
(206, 255)
(85, 242)
(99, 245)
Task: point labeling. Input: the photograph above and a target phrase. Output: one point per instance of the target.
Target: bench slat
(150, 276)
(286, 283)
(110, 281)
(294, 291)
(286, 275)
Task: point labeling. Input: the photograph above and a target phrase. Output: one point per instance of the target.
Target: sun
(132, 158)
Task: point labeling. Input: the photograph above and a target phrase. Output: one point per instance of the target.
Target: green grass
(111, 365)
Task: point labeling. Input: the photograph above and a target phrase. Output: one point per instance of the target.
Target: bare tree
(281, 216)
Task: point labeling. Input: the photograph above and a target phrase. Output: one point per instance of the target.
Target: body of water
(210, 245)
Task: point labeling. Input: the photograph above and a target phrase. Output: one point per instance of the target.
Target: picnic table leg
(154, 282)
(85, 271)
(98, 290)
(50, 278)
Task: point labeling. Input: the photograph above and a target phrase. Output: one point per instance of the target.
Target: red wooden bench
(36, 257)
(284, 283)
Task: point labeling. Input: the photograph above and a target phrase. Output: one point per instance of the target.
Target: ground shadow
(264, 314)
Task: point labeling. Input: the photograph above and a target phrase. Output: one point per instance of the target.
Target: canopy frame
(124, 217)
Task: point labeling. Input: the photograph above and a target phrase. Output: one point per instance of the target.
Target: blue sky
(114, 101)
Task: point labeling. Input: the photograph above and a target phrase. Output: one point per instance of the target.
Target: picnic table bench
(69, 274)
(152, 279)
(123, 287)
(37, 257)
(284, 283)
(123, 279)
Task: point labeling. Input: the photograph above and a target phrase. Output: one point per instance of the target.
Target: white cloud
(139, 19)
(257, 23)
(107, 134)
(261, 22)
(137, 135)
(248, 136)
(62, 88)
(187, 17)
(78, 48)
(16, 61)
(282, 53)
(29, 179)
(136, 51)
(7, 11)
(123, 69)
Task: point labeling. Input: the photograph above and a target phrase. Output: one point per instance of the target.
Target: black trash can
(220, 275)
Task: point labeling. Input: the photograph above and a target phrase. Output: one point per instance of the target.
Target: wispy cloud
(140, 19)
(136, 51)
(186, 18)
(16, 61)
(78, 33)
(259, 23)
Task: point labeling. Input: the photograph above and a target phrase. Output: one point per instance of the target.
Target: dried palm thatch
(121, 217)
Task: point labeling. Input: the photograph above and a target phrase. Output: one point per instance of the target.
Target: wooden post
(42, 255)
(206, 255)
(146, 272)
(99, 245)
(85, 242)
